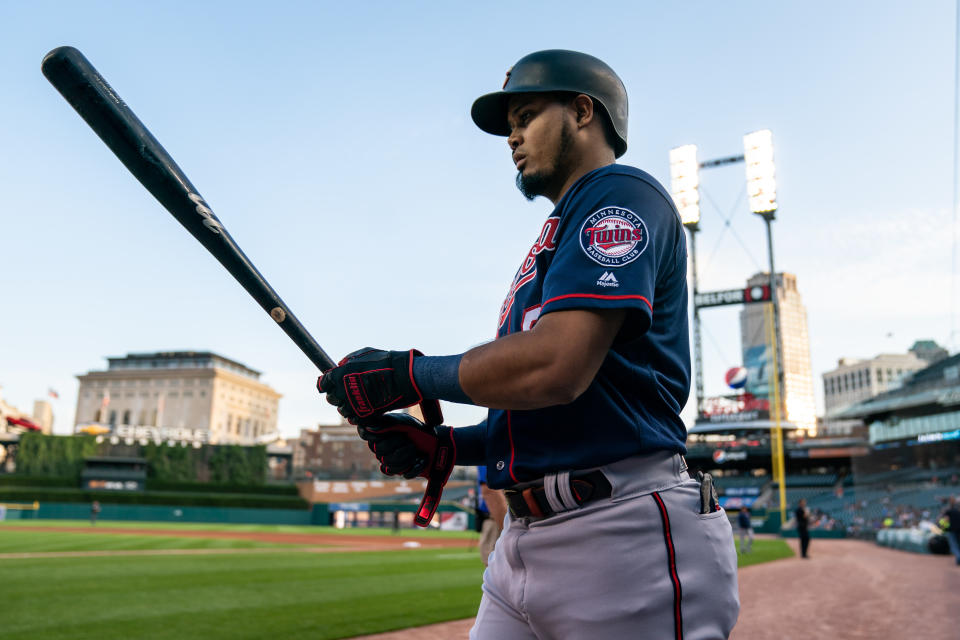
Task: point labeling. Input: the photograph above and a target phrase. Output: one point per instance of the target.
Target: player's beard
(546, 180)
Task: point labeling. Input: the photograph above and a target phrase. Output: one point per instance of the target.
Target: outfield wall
(318, 515)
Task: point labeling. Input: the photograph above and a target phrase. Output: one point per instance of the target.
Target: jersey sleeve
(615, 235)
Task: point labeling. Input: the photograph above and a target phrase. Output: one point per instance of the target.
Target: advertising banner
(758, 362)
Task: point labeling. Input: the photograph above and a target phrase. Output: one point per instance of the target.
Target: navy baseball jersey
(481, 480)
(614, 241)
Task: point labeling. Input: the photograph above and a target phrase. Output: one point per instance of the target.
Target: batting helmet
(557, 70)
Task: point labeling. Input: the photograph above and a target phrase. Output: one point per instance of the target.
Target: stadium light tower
(685, 184)
(762, 193)
(685, 189)
(761, 174)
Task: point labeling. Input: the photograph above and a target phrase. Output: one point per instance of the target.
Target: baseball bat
(85, 89)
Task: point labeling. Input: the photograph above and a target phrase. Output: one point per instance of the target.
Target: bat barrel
(120, 129)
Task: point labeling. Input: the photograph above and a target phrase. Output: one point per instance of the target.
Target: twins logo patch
(613, 236)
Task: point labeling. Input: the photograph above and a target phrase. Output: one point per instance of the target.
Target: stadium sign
(742, 491)
(749, 295)
(162, 434)
(743, 407)
(939, 437)
(143, 434)
(720, 456)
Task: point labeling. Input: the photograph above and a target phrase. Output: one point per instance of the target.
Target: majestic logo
(608, 280)
(613, 236)
(528, 270)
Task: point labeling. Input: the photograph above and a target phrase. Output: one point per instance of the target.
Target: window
(126, 417)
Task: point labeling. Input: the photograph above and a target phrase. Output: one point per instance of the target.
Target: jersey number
(530, 317)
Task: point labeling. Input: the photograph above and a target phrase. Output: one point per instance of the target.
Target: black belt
(530, 500)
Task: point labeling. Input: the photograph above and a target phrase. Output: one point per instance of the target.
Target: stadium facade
(194, 397)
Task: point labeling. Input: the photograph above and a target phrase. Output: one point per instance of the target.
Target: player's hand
(391, 439)
(371, 381)
(405, 446)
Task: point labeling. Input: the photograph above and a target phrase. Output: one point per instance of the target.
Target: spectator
(802, 532)
(952, 515)
(746, 529)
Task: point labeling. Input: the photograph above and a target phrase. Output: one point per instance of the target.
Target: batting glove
(372, 381)
(407, 447)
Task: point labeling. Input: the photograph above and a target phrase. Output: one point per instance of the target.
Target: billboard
(758, 362)
(757, 293)
(735, 408)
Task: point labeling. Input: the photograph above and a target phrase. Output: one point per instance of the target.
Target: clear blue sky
(334, 142)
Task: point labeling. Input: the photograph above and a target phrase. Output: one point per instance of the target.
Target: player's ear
(583, 109)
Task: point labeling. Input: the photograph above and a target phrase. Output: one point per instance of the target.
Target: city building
(333, 452)
(918, 422)
(798, 399)
(855, 380)
(14, 420)
(193, 397)
(43, 415)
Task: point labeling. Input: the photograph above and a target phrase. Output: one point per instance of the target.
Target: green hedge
(221, 464)
(60, 456)
(18, 480)
(209, 487)
(40, 455)
(155, 498)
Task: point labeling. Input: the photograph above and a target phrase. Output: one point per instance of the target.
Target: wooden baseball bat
(107, 114)
(85, 89)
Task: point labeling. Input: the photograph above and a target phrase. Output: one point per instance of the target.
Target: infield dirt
(339, 542)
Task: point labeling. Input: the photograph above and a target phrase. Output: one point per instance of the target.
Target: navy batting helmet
(557, 70)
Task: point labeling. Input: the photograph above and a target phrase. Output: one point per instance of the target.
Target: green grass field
(765, 550)
(276, 593)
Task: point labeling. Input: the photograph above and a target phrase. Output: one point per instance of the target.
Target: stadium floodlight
(761, 179)
(685, 183)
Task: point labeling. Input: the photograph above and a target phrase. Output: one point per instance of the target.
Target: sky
(334, 142)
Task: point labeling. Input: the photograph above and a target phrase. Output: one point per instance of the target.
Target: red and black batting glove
(409, 448)
(371, 381)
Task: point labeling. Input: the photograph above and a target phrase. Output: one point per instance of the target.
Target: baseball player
(492, 511)
(607, 535)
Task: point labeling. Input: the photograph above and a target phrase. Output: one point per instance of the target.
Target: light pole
(685, 189)
(762, 194)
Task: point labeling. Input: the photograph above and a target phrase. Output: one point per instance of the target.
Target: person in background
(746, 529)
(94, 512)
(491, 509)
(952, 515)
(803, 531)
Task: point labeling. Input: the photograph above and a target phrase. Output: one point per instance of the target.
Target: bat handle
(432, 415)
